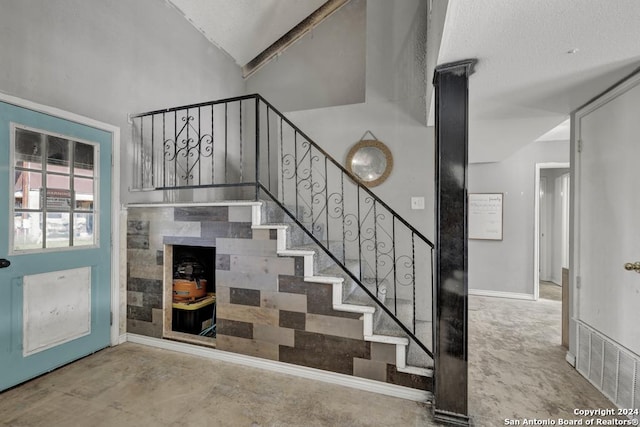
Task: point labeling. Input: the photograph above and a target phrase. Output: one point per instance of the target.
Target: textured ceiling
(244, 28)
(526, 82)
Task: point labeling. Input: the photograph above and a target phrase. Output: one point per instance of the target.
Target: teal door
(55, 259)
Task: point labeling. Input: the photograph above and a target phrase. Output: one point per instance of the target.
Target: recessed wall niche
(190, 299)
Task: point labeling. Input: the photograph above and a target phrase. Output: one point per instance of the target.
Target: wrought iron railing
(245, 142)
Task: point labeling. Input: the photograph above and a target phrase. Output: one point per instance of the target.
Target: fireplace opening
(193, 298)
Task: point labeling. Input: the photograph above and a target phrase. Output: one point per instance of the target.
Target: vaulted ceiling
(244, 28)
(537, 60)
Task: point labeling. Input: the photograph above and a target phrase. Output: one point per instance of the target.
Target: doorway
(551, 252)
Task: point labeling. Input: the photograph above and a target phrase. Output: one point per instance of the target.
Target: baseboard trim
(122, 339)
(286, 368)
(571, 359)
(500, 294)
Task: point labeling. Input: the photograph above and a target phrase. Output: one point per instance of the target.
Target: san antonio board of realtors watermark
(594, 417)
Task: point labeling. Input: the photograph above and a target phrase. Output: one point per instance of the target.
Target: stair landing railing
(244, 148)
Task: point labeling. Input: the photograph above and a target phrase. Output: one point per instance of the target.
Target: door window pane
(57, 225)
(27, 189)
(57, 154)
(28, 149)
(83, 229)
(54, 191)
(83, 159)
(83, 189)
(27, 231)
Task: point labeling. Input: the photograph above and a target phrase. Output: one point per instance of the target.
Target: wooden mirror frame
(370, 143)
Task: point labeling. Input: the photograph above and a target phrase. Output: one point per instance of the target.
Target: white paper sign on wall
(485, 216)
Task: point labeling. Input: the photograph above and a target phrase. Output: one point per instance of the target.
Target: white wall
(394, 110)
(106, 58)
(437, 11)
(507, 265)
(324, 68)
(411, 144)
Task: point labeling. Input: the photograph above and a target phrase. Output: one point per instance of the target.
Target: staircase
(292, 240)
(378, 265)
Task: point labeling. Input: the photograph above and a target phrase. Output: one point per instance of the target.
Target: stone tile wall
(265, 308)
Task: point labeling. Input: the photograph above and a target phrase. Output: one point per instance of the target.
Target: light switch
(417, 203)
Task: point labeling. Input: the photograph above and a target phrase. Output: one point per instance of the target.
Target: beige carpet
(517, 370)
(517, 365)
(549, 290)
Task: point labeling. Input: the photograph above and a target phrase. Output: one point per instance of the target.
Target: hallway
(517, 367)
(517, 370)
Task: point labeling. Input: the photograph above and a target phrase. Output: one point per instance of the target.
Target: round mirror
(371, 161)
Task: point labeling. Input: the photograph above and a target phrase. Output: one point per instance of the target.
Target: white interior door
(608, 236)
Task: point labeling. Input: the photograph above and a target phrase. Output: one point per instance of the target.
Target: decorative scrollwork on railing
(187, 145)
(351, 223)
(380, 251)
(405, 266)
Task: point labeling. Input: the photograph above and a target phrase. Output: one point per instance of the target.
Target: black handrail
(198, 105)
(301, 133)
(180, 156)
(349, 273)
(345, 171)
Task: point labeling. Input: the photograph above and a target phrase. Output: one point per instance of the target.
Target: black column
(451, 289)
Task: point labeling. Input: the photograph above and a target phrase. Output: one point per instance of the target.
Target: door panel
(55, 216)
(609, 237)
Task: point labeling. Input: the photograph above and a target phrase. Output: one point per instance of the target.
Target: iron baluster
(188, 147)
(326, 201)
(164, 172)
(295, 164)
(344, 243)
(175, 148)
(200, 140)
(375, 245)
(281, 160)
(268, 148)
(359, 236)
(213, 151)
(142, 152)
(395, 271)
(153, 150)
(226, 140)
(257, 150)
(413, 277)
(241, 142)
(313, 221)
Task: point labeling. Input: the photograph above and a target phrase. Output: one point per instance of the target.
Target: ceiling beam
(292, 36)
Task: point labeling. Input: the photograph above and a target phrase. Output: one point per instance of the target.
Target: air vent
(636, 387)
(595, 367)
(611, 368)
(610, 374)
(584, 340)
(625, 381)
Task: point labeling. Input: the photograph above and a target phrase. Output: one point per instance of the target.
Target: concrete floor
(517, 370)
